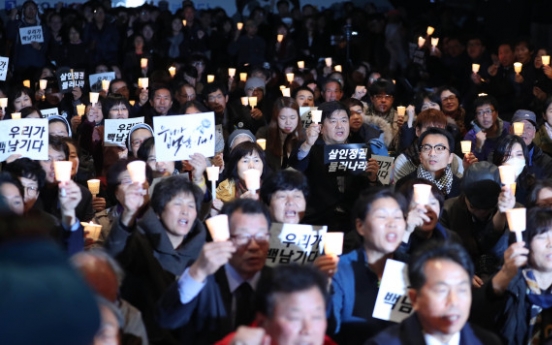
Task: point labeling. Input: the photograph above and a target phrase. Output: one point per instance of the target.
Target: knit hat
(255, 83)
(135, 127)
(62, 119)
(240, 132)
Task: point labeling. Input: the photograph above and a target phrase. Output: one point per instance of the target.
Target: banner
(116, 130)
(342, 158)
(4, 61)
(295, 243)
(27, 137)
(69, 78)
(31, 34)
(385, 168)
(96, 80)
(392, 302)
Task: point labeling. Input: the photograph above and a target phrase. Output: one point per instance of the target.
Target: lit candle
(137, 171)
(94, 97)
(338, 68)
(421, 42)
(517, 67)
(289, 77)
(466, 146)
(279, 38)
(132, 102)
(301, 64)
(231, 72)
(93, 186)
(62, 170)
(316, 116)
(210, 78)
(243, 77)
(16, 116)
(27, 83)
(401, 110)
(253, 102)
(43, 83)
(184, 22)
(252, 179)
(262, 143)
(3, 103)
(430, 30)
(333, 243)
(144, 63)
(545, 59)
(143, 83)
(245, 101)
(218, 228)
(81, 109)
(421, 193)
(239, 25)
(517, 221)
(286, 92)
(507, 174)
(328, 61)
(172, 71)
(213, 175)
(105, 85)
(434, 41)
(92, 230)
(475, 67)
(282, 87)
(518, 128)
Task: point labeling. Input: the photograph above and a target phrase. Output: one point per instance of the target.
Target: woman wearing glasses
(436, 155)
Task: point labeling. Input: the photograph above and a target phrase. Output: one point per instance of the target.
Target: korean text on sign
(385, 168)
(116, 130)
(31, 34)
(3, 67)
(346, 157)
(27, 137)
(68, 79)
(295, 243)
(177, 137)
(392, 302)
(306, 118)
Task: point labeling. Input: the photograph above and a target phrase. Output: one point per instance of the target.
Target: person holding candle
(161, 102)
(488, 128)
(136, 136)
(382, 95)
(542, 84)
(102, 38)
(515, 302)
(131, 67)
(285, 193)
(330, 205)
(369, 130)
(249, 48)
(31, 113)
(379, 217)
(283, 134)
(175, 45)
(158, 247)
(261, 112)
(304, 96)
(478, 217)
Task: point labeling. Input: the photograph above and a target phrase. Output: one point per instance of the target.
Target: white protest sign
(27, 137)
(295, 243)
(49, 112)
(96, 80)
(31, 34)
(305, 113)
(116, 130)
(4, 67)
(385, 165)
(177, 137)
(392, 302)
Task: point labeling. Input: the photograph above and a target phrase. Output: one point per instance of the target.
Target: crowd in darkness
(458, 97)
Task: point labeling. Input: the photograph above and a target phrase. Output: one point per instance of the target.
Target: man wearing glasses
(487, 129)
(436, 155)
(215, 294)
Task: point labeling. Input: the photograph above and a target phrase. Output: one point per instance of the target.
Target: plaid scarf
(540, 301)
(444, 183)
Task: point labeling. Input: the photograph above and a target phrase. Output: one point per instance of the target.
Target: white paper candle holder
(333, 243)
(218, 228)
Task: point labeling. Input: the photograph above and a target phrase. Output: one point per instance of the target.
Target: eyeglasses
(383, 97)
(31, 191)
(245, 239)
(439, 149)
(484, 112)
(449, 98)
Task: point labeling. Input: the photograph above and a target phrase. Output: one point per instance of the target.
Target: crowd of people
(452, 108)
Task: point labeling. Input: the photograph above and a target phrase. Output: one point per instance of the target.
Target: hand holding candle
(545, 59)
(262, 143)
(143, 83)
(94, 97)
(518, 128)
(243, 77)
(252, 180)
(239, 26)
(210, 78)
(105, 85)
(172, 71)
(430, 30)
(231, 72)
(245, 101)
(328, 61)
(301, 64)
(466, 146)
(517, 67)
(475, 67)
(92, 230)
(289, 77)
(62, 173)
(421, 193)
(218, 228)
(286, 92)
(213, 175)
(143, 63)
(517, 221)
(253, 102)
(94, 186)
(316, 116)
(137, 171)
(338, 68)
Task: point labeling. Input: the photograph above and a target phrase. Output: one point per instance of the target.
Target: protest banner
(385, 168)
(295, 243)
(116, 130)
(49, 112)
(96, 80)
(305, 113)
(27, 137)
(69, 78)
(343, 158)
(31, 34)
(179, 136)
(392, 302)
(4, 61)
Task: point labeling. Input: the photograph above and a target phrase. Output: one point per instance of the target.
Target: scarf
(540, 300)
(444, 183)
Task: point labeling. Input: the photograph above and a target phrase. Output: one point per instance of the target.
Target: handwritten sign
(96, 80)
(385, 164)
(49, 112)
(28, 137)
(392, 302)
(305, 113)
(31, 34)
(295, 243)
(344, 158)
(68, 79)
(3, 67)
(116, 130)
(178, 137)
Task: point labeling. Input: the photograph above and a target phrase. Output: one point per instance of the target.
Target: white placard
(295, 243)
(4, 61)
(49, 112)
(385, 165)
(116, 130)
(177, 137)
(305, 112)
(96, 80)
(27, 137)
(31, 34)
(392, 303)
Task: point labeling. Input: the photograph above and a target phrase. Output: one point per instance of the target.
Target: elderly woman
(155, 249)
(380, 219)
(285, 193)
(516, 302)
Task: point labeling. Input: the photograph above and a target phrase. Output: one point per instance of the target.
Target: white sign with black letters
(295, 243)
(27, 137)
(31, 34)
(392, 302)
(116, 130)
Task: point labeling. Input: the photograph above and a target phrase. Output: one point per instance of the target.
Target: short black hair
(328, 108)
(144, 151)
(437, 250)
(27, 168)
(240, 151)
(539, 221)
(6, 177)
(112, 100)
(533, 196)
(58, 144)
(332, 81)
(246, 206)
(29, 110)
(302, 88)
(382, 86)
(438, 131)
(504, 147)
(284, 180)
(156, 87)
(214, 87)
(485, 100)
(367, 197)
(193, 104)
(287, 279)
(112, 176)
(166, 189)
